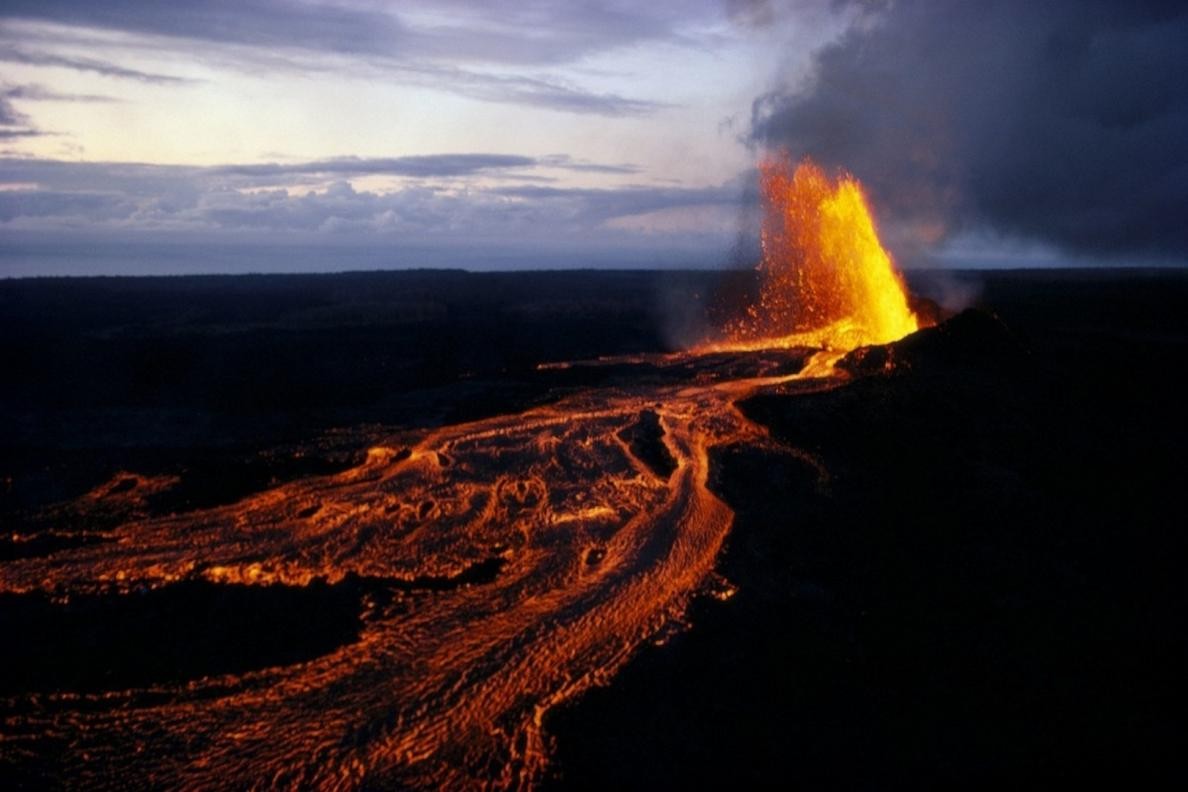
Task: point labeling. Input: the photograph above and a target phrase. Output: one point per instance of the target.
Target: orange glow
(601, 541)
(826, 280)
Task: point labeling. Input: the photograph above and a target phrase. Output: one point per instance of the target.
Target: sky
(322, 135)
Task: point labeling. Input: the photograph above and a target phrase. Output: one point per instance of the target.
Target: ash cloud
(1061, 122)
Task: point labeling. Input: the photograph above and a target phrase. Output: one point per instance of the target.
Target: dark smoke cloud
(1064, 121)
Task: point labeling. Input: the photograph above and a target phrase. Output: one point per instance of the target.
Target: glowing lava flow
(601, 551)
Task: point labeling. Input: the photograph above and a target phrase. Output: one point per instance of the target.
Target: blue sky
(280, 135)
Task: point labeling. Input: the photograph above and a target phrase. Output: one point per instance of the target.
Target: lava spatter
(825, 279)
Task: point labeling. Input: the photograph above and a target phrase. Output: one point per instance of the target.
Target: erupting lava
(826, 280)
(596, 541)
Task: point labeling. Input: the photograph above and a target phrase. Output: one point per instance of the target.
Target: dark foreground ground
(990, 587)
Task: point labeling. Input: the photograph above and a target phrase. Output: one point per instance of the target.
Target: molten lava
(598, 543)
(826, 280)
(594, 515)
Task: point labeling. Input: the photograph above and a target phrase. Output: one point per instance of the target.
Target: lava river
(597, 550)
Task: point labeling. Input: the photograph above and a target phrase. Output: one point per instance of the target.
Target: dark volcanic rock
(979, 591)
(928, 311)
(985, 588)
(972, 338)
(36, 545)
(645, 438)
(183, 631)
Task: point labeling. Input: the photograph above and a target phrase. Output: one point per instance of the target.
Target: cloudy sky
(282, 135)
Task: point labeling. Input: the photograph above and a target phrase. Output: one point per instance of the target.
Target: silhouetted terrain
(985, 586)
(986, 592)
(212, 373)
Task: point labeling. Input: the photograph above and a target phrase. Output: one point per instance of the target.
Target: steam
(681, 301)
(953, 291)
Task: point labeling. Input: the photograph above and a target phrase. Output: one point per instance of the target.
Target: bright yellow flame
(826, 280)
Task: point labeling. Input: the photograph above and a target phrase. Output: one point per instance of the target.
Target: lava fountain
(826, 281)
